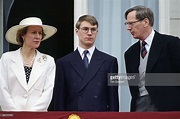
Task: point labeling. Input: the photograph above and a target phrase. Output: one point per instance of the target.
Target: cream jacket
(18, 95)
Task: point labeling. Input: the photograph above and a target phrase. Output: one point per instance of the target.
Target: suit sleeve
(6, 101)
(113, 90)
(58, 100)
(175, 53)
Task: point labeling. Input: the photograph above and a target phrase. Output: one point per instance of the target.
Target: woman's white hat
(11, 33)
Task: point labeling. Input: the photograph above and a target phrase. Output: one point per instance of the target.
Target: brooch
(44, 57)
(39, 60)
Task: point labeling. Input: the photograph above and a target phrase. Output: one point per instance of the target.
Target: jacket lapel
(154, 53)
(18, 68)
(77, 63)
(37, 69)
(95, 64)
(134, 58)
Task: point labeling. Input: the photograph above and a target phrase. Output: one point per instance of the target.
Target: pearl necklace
(28, 64)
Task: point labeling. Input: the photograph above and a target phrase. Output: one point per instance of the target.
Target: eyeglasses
(133, 22)
(86, 30)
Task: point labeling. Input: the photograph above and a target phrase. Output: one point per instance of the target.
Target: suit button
(25, 96)
(95, 96)
(107, 106)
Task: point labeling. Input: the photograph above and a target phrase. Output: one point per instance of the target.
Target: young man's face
(87, 34)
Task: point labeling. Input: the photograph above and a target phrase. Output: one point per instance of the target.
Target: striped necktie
(143, 49)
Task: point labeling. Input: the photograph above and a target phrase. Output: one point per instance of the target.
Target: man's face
(135, 26)
(86, 34)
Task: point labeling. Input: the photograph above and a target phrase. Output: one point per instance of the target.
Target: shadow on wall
(58, 13)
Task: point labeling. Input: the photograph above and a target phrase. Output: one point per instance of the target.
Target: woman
(27, 76)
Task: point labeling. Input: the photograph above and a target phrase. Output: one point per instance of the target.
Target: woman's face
(33, 37)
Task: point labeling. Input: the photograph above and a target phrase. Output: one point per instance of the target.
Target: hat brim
(11, 33)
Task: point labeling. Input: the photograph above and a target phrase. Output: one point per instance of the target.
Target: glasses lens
(133, 22)
(86, 30)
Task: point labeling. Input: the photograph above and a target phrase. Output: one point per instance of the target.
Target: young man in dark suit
(155, 58)
(81, 82)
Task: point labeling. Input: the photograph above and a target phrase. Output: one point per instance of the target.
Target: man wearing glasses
(155, 58)
(81, 82)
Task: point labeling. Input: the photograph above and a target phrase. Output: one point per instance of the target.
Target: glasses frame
(133, 22)
(86, 30)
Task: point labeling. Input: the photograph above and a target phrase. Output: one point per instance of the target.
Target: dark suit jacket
(164, 57)
(78, 89)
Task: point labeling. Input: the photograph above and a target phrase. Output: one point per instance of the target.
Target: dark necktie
(85, 59)
(143, 49)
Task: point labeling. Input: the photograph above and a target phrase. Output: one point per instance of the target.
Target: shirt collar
(149, 39)
(81, 50)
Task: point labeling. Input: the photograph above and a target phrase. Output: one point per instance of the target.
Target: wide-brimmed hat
(12, 32)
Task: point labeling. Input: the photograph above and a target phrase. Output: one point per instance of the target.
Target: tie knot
(85, 52)
(143, 43)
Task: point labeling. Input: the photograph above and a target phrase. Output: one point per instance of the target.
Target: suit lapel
(18, 68)
(77, 63)
(135, 58)
(133, 62)
(95, 64)
(154, 52)
(37, 69)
